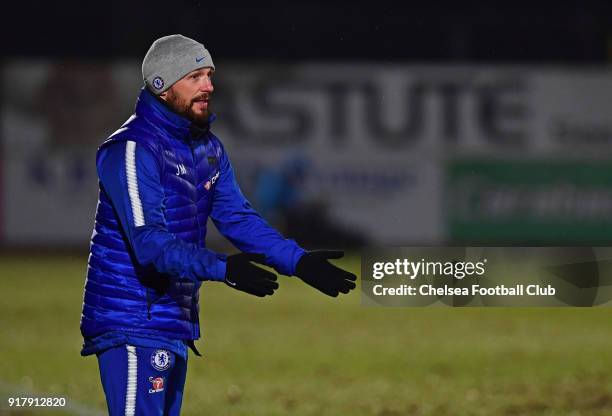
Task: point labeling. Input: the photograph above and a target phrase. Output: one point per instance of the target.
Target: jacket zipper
(148, 305)
(195, 170)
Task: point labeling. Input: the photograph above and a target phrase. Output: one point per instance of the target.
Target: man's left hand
(314, 269)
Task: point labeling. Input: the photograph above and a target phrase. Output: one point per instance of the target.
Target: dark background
(543, 32)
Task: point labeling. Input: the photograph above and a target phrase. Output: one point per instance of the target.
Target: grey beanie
(171, 58)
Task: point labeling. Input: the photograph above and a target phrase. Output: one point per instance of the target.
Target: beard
(185, 107)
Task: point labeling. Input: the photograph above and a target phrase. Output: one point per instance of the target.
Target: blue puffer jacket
(160, 179)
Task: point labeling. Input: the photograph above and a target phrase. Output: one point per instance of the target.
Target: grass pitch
(302, 353)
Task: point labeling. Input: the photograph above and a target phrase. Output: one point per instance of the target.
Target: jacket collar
(151, 108)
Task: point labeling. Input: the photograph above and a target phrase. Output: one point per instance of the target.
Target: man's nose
(206, 85)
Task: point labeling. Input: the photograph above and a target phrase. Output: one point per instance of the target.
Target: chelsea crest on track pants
(142, 381)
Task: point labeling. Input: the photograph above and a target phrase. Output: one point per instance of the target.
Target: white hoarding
(374, 138)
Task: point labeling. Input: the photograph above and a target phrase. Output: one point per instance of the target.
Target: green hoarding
(529, 201)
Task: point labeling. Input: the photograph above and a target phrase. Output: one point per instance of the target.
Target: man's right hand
(243, 275)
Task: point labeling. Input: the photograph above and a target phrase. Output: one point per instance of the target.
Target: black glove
(314, 269)
(243, 275)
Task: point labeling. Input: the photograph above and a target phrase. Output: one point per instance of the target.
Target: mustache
(201, 97)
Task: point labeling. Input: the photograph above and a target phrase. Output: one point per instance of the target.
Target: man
(162, 174)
